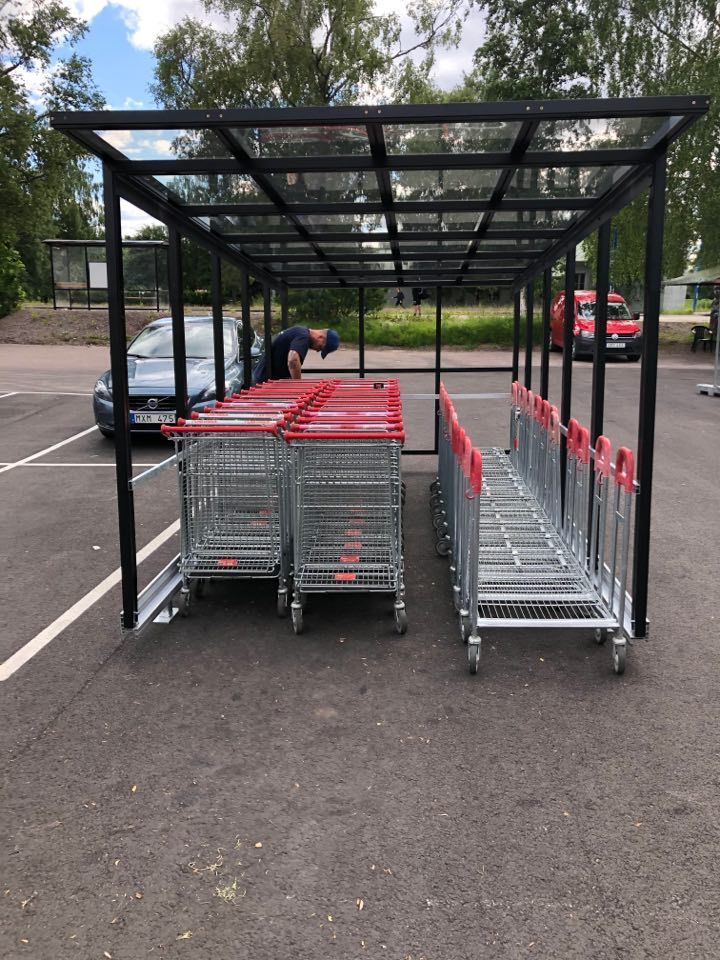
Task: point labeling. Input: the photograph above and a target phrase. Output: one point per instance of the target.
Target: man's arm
(294, 365)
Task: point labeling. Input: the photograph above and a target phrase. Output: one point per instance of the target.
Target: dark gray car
(151, 379)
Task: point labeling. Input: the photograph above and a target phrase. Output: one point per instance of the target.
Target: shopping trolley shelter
(446, 195)
(224, 785)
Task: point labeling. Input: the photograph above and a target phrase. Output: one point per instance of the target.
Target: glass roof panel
(411, 222)
(210, 188)
(368, 223)
(341, 141)
(375, 248)
(318, 266)
(250, 225)
(443, 184)
(165, 144)
(612, 133)
(529, 219)
(564, 181)
(408, 244)
(420, 265)
(258, 249)
(450, 137)
(501, 245)
(352, 186)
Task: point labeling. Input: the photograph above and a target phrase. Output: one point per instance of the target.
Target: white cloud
(133, 219)
(145, 22)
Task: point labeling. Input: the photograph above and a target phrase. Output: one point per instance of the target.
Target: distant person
(400, 298)
(417, 301)
(289, 349)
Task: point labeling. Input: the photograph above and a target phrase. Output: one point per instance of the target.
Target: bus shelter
(443, 195)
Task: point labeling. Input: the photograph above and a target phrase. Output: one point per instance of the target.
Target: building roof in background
(710, 276)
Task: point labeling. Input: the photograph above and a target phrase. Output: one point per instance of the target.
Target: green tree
(297, 52)
(45, 183)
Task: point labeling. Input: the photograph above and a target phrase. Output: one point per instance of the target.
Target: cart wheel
(297, 617)
(439, 523)
(434, 486)
(200, 588)
(443, 547)
(464, 628)
(601, 635)
(619, 650)
(282, 603)
(473, 654)
(186, 602)
(436, 500)
(401, 620)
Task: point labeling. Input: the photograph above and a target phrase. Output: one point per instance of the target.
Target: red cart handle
(347, 435)
(545, 413)
(458, 438)
(582, 445)
(529, 402)
(625, 469)
(476, 470)
(515, 392)
(167, 429)
(603, 455)
(572, 431)
(538, 407)
(466, 456)
(554, 424)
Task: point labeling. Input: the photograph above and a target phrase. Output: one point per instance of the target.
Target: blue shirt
(294, 338)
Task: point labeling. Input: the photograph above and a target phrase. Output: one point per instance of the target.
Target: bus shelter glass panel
(69, 276)
(352, 186)
(165, 144)
(210, 188)
(600, 133)
(415, 185)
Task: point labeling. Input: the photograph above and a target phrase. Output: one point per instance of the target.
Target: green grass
(461, 327)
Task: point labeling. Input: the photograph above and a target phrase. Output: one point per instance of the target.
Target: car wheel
(108, 434)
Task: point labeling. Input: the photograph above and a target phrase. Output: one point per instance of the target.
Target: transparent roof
(388, 185)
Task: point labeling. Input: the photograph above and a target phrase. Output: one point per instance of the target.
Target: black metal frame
(485, 261)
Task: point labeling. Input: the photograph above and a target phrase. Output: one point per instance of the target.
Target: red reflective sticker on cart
(350, 558)
(353, 545)
(353, 532)
(227, 562)
(345, 576)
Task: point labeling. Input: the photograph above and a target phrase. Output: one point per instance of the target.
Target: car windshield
(615, 311)
(156, 341)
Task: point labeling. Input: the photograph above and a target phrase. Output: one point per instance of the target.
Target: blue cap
(331, 343)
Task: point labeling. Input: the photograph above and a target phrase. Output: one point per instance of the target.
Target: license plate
(139, 418)
(615, 346)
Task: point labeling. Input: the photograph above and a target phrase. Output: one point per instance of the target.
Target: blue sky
(123, 72)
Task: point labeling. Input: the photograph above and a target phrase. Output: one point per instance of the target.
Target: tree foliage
(297, 52)
(540, 49)
(44, 183)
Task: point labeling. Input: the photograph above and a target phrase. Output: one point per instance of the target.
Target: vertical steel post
(283, 308)
(602, 288)
(157, 281)
(246, 329)
(121, 414)
(438, 362)
(545, 342)
(566, 389)
(361, 330)
(528, 334)
(177, 312)
(52, 274)
(516, 336)
(87, 275)
(648, 393)
(218, 332)
(267, 329)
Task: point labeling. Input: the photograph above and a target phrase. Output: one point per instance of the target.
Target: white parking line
(98, 464)
(28, 651)
(43, 393)
(55, 446)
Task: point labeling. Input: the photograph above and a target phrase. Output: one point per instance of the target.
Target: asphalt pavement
(221, 788)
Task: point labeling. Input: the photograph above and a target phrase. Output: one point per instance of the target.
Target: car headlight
(638, 334)
(587, 334)
(208, 394)
(103, 390)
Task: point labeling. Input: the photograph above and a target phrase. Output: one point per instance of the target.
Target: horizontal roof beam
(418, 113)
(399, 207)
(404, 237)
(388, 257)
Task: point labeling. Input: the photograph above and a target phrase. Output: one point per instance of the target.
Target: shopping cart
(515, 564)
(347, 503)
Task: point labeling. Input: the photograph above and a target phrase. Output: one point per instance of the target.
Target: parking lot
(221, 788)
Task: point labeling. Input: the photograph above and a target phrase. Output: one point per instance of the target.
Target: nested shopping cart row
(296, 480)
(522, 555)
(347, 494)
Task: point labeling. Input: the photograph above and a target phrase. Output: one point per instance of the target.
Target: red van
(624, 336)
